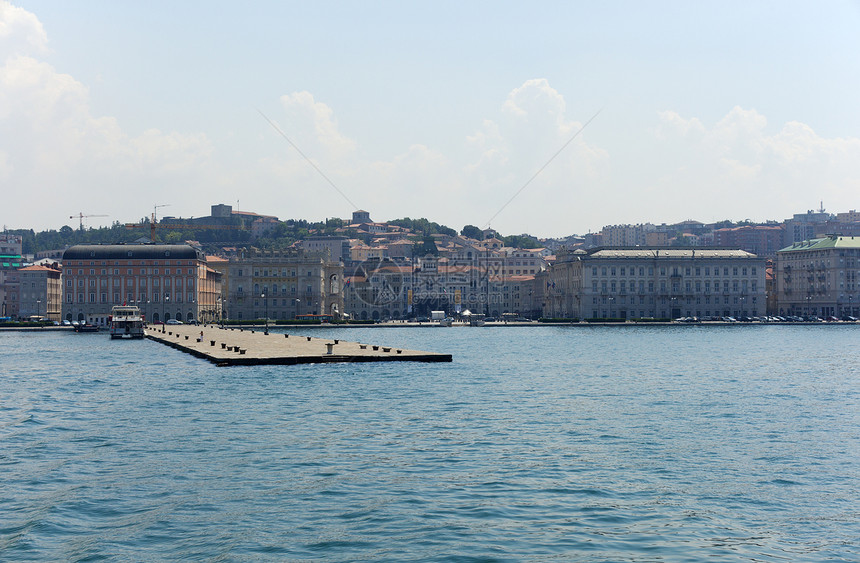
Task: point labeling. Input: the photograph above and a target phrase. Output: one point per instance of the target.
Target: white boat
(126, 322)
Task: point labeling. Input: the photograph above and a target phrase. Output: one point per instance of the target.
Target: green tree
(473, 232)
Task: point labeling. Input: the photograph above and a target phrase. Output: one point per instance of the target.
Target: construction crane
(155, 210)
(81, 216)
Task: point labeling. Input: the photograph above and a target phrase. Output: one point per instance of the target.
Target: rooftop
(831, 241)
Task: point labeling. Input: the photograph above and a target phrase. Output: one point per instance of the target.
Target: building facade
(166, 281)
(761, 240)
(477, 282)
(10, 260)
(819, 277)
(632, 283)
(282, 285)
(36, 291)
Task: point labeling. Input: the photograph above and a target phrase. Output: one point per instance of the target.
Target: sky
(547, 118)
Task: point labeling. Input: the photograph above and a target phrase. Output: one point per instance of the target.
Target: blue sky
(708, 110)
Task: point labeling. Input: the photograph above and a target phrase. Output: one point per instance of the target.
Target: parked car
(173, 322)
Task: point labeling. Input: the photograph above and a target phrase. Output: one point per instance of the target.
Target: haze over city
(706, 111)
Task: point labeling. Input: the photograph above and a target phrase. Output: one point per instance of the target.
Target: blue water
(587, 444)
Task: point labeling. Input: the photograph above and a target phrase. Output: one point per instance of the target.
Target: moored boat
(126, 322)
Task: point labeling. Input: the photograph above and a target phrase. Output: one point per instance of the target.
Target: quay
(250, 346)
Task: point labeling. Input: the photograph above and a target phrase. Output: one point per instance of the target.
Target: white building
(630, 283)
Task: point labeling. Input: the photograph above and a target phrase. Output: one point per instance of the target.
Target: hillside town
(805, 267)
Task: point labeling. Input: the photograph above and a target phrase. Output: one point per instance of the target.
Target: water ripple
(649, 444)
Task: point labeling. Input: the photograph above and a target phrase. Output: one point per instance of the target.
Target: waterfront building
(36, 291)
(466, 279)
(629, 283)
(819, 277)
(282, 284)
(11, 247)
(167, 281)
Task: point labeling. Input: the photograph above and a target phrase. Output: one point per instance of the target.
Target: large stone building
(819, 277)
(36, 291)
(10, 260)
(167, 281)
(466, 280)
(630, 283)
(282, 285)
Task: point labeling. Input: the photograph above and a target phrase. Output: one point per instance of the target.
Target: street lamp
(266, 303)
(38, 307)
(165, 304)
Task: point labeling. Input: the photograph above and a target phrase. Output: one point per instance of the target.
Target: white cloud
(314, 121)
(20, 30)
(738, 165)
(463, 185)
(54, 150)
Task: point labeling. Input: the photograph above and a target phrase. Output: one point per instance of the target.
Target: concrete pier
(251, 346)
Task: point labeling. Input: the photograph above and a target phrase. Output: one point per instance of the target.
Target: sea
(544, 443)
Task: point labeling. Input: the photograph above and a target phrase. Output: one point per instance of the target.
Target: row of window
(274, 273)
(689, 285)
(132, 271)
(129, 298)
(675, 270)
(130, 282)
(678, 301)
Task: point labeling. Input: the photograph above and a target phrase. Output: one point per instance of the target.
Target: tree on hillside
(521, 241)
(423, 226)
(427, 247)
(473, 232)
